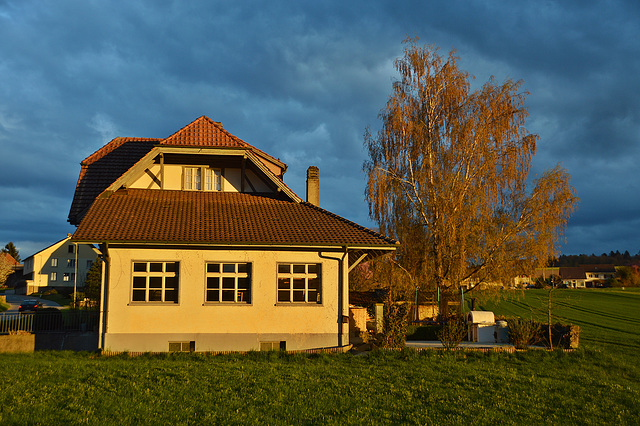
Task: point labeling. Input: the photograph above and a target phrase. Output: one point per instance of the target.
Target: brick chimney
(313, 185)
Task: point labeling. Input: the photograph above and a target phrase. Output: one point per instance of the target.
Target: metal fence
(49, 321)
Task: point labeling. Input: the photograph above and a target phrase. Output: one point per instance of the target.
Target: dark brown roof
(196, 217)
(572, 273)
(367, 298)
(103, 167)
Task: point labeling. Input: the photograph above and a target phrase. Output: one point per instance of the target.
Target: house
(61, 266)
(206, 249)
(583, 276)
(587, 276)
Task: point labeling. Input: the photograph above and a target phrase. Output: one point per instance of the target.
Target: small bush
(50, 292)
(452, 333)
(523, 332)
(423, 332)
(394, 329)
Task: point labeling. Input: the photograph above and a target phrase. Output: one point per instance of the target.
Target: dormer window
(202, 179)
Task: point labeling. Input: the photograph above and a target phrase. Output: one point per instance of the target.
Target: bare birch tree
(447, 176)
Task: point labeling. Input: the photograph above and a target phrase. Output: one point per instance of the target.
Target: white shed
(481, 326)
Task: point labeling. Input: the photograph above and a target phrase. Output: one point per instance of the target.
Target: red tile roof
(195, 217)
(103, 167)
(204, 132)
(106, 165)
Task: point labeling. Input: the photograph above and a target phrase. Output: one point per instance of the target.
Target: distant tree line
(616, 258)
(627, 266)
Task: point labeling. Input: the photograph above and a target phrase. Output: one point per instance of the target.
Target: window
(89, 264)
(273, 346)
(54, 262)
(68, 276)
(182, 346)
(53, 276)
(299, 283)
(155, 282)
(193, 179)
(71, 263)
(228, 282)
(71, 248)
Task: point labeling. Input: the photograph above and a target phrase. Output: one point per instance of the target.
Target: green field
(596, 384)
(609, 318)
(429, 387)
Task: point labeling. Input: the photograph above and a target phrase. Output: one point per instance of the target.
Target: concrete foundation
(219, 342)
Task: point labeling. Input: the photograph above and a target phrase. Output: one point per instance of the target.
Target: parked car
(29, 305)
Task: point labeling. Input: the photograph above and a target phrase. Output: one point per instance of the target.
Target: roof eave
(238, 244)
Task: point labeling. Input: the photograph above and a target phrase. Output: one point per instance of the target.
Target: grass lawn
(408, 387)
(609, 318)
(59, 299)
(597, 384)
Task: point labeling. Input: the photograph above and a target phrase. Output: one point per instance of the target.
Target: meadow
(609, 318)
(596, 384)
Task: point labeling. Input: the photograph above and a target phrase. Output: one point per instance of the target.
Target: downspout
(75, 277)
(102, 324)
(340, 292)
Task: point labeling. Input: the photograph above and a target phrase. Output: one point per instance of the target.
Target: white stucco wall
(148, 326)
(231, 181)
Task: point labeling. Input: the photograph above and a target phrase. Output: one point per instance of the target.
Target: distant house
(586, 276)
(61, 266)
(206, 249)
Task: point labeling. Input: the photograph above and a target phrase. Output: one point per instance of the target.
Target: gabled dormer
(201, 156)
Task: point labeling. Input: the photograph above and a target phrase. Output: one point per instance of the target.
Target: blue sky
(301, 81)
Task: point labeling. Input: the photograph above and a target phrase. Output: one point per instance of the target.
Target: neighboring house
(583, 276)
(61, 266)
(587, 276)
(205, 248)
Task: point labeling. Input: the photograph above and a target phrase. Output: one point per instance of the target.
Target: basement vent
(182, 346)
(273, 346)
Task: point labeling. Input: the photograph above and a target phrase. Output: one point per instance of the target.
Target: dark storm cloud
(302, 80)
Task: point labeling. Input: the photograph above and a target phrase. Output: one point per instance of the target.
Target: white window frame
(228, 282)
(68, 276)
(54, 262)
(296, 282)
(71, 263)
(154, 283)
(201, 178)
(53, 276)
